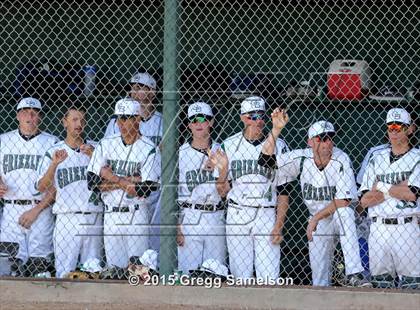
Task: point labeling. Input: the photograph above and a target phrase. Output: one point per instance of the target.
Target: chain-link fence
(232, 197)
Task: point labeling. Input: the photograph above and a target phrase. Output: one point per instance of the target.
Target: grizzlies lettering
(324, 193)
(66, 176)
(125, 168)
(249, 166)
(20, 161)
(394, 177)
(197, 177)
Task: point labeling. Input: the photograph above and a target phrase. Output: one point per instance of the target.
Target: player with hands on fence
(252, 226)
(391, 191)
(125, 168)
(328, 187)
(27, 218)
(201, 228)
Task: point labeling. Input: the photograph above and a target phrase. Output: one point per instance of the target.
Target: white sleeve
(45, 163)
(112, 128)
(98, 160)
(369, 176)
(414, 179)
(346, 185)
(288, 166)
(151, 169)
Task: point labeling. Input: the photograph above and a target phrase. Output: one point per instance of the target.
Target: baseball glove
(82, 275)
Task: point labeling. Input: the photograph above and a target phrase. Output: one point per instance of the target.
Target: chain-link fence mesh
(245, 214)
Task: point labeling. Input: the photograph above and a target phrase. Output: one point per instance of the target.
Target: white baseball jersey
(252, 184)
(142, 158)
(381, 169)
(70, 180)
(196, 185)
(319, 187)
(20, 159)
(363, 166)
(151, 128)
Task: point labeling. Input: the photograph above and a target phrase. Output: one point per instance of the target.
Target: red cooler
(348, 79)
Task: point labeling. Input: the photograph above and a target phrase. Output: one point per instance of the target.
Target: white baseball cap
(214, 266)
(319, 128)
(199, 108)
(251, 104)
(149, 259)
(127, 106)
(398, 115)
(30, 103)
(145, 79)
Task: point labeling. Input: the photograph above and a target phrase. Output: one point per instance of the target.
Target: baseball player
(391, 188)
(253, 230)
(126, 168)
(143, 89)
(26, 219)
(201, 233)
(78, 226)
(328, 187)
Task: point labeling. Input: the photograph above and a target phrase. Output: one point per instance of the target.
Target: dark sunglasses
(126, 117)
(396, 127)
(199, 119)
(325, 137)
(255, 116)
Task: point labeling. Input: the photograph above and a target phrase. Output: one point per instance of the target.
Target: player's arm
(279, 119)
(47, 180)
(220, 161)
(27, 218)
(401, 191)
(283, 192)
(370, 197)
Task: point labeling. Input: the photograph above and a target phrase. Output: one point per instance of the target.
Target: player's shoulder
(234, 138)
(49, 136)
(111, 138)
(9, 133)
(56, 146)
(185, 147)
(299, 154)
(340, 156)
(281, 145)
(147, 142)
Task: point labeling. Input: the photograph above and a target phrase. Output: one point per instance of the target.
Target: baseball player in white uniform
(78, 225)
(201, 233)
(328, 187)
(391, 189)
(252, 227)
(126, 168)
(26, 219)
(143, 89)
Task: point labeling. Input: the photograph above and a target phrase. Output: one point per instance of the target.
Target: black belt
(21, 202)
(230, 201)
(217, 207)
(81, 212)
(393, 221)
(123, 209)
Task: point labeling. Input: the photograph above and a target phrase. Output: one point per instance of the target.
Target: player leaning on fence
(328, 187)
(26, 219)
(252, 226)
(391, 190)
(125, 167)
(78, 225)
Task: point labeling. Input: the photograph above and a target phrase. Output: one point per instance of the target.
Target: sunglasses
(199, 119)
(324, 137)
(396, 127)
(256, 116)
(126, 117)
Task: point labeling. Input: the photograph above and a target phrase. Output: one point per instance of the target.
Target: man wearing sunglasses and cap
(252, 226)
(27, 218)
(126, 169)
(201, 232)
(391, 191)
(328, 187)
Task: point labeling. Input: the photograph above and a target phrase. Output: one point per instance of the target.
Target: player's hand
(313, 223)
(28, 217)
(133, 179)
(129, 188)
(59, 156)
(180, 238)
(107, 174)
(87, 149)
(279, 118)
(219, 159)
(3, 189)
(276, 236)
(372, 198)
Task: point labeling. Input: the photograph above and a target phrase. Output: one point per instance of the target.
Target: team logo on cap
(121, 107)
(196, 109)
(328, 126)
(256, 105)
(396, 115)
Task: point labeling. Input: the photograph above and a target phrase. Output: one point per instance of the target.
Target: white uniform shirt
(20, 159)
(151, 128)
(70, 180)
(252, 184)
(319, 187)
(381, 169)
(142, 158)
(196, 185)
(365, 161)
